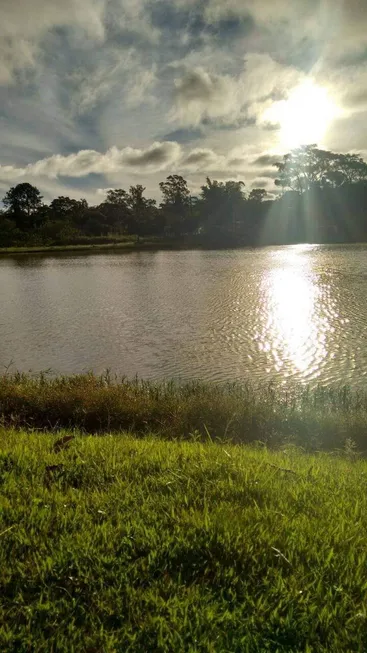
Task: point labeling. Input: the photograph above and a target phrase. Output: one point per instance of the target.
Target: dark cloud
(200, 95)
(233, 27)
(183, 135)
(236, 162)
(351, 59)
(199, 157)
(197, 85)
(191, 20)
(170, 17)
(238, 123)
(156, 155)
(267, 160)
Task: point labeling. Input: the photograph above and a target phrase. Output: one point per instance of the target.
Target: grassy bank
(124, 544)
(319, 419)
(128, 245)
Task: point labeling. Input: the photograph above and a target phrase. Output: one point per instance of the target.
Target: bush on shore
(322, 418)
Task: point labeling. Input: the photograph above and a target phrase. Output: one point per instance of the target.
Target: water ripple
(285, 313)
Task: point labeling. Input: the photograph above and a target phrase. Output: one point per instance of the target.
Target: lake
(276, 313)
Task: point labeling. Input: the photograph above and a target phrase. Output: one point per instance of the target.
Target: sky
(99, 94)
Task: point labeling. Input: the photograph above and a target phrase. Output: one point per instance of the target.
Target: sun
(304, 117)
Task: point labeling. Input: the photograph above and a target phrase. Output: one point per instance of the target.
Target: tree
(115, 210)
(222, 205)
(68, 209)
(95, 222)
(257, 195)
(308, 167)
(22, 203)
(176, 205)
(142, 211)
(9, 234)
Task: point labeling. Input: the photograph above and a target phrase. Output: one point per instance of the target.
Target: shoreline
(104, 247)
(319, 419)
(164, 245)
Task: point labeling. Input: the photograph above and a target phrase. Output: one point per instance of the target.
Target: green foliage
(143, 213)
(119, 544)
(222, 205)
(69, 210)
(308, 167)
(323, 199)
(176, 205)
(58, 231)
(23, 203)
(317, 419)
(9, 233)
(257, 195)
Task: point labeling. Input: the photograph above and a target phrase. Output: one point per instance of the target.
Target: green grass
(319, 419)
(124, 245)
(123, 544)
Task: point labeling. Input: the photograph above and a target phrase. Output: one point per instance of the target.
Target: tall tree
(66, 208)
(115, 210)
(308, 167)
(222, 205)
(142, 211)
(117, 196)
(23, 203)
(176, 205)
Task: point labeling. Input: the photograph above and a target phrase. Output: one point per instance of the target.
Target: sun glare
(304, 117)
(294, 305)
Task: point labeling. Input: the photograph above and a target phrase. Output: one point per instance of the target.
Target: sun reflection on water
(298, 331)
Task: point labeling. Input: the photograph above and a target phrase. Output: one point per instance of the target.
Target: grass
(319, 419)
(140, 545)
(125, 245)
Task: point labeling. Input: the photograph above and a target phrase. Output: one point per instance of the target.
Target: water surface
(295, 312)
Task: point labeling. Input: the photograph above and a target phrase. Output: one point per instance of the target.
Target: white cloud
(24, 23)
(23, 19)
(200, 95)
(154, 158)
(133, 163)
(139, 87)
(337, 26)
(116, 71)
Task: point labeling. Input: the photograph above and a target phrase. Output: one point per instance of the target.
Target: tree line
(323, 198)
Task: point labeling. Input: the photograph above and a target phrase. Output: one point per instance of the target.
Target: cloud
(202, 159)
(347, 85)
(261, 182)
(201, 96)
(184, 135)
(19, 19)
(266, 160)
(97, 81)
(158, 155)
(139, 88)
(153, 159)
(237, 162)
(23, 25)
(336, 26)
